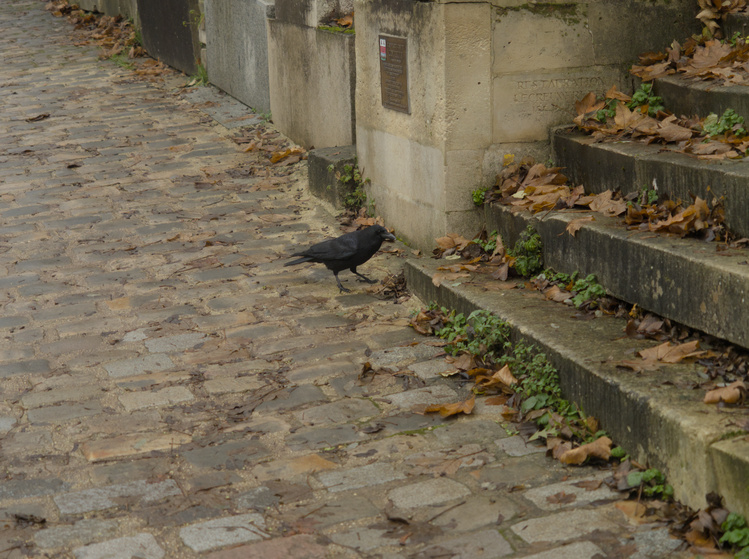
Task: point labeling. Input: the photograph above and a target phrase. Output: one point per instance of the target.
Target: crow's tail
(299, 261)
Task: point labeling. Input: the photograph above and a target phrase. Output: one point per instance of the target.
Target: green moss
(336, 29)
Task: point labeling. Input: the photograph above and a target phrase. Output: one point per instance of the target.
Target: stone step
(629, 166)
(689, 97)
(685, 280)
(655, 415)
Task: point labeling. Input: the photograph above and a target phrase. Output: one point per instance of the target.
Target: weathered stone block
(237, 49)
(325, 166)
(312, 80)
(170, 32)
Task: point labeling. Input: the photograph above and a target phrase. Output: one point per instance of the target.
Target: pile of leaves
(712, 10)
(277, 148)
(113, 34)
(534, 187)
(724, 62)
(393, 287)
(613, 118)
(487, 254)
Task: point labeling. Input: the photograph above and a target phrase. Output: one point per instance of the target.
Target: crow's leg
(338, 281)
(362, 276)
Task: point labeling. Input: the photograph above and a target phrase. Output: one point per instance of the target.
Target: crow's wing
(341, 248)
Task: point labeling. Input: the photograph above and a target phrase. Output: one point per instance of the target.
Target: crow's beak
(388, 236)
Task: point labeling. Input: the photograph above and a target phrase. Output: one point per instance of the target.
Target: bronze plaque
(394, 73)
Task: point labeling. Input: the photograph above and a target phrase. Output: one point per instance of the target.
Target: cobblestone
(223, 532)
(106, 497)
(143, 546)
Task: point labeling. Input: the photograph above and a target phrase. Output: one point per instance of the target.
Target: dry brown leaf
(672, 132)
(446, 410)
(346, 21)
(439, 277)
(561, 498)
(614, 93)
(668, 353)
(576, 224)
(604, 203)
(556, 293)
(600, 448)
(464, 361)
(734, 393)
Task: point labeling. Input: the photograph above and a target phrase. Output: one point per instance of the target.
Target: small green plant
(122, 61)
(608, 111)
(652, 482)
(647, 196)
(482, 333)
(350, 176)
(195, 19)
(619, 453)
(557, 277)
(200, 77)
(728, 122)
(736, 533)
(587, 290)
(478, 196)
(737, 39)
(528, 253)
(490, 244)
(137, 37)
(644, 97)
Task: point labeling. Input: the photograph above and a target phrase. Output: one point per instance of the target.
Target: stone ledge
(684, 96)
(628, 166)
(681, 279)
(322, 180)
(656, 421)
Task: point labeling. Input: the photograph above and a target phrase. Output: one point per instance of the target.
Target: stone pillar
(485, 79)
(424, 163)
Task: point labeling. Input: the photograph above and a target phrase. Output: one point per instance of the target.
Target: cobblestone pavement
(170, 390)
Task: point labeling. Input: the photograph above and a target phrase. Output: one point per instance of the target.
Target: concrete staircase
(655, 415)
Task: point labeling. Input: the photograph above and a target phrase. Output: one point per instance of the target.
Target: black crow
(346, 252)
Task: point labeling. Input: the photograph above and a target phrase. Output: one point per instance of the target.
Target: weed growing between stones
(520, 377)
(351, 178)
(200, 77)
(736, 534)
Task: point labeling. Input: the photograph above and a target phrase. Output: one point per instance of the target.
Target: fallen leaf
(734, 393)
(446, 410)
(439, 277)
(561, 498)
(668, 353)
(576, 224)
(589, 484)
(600, 448)
(556, 293)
